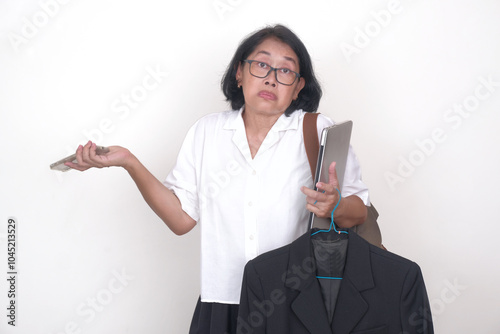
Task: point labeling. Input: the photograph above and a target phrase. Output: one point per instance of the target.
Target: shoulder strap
(311, 141)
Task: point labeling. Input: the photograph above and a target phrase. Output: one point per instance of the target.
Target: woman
(243, 175)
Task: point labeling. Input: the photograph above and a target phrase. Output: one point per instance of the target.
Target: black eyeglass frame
(249, 61)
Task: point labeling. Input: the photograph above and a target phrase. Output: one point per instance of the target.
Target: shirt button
(254, 173)
(249, 203)
(251, 237)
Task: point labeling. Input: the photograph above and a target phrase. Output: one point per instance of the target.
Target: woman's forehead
(273, 47)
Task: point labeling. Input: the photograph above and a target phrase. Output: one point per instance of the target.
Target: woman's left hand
(323, 201)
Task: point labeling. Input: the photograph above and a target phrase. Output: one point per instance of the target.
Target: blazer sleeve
(252, 312)
(415, 309)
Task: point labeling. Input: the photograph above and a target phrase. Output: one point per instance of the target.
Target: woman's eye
(263, 65)
(285, 71)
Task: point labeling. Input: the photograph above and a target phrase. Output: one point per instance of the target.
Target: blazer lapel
(310, 309)
(308, 306)
(349, 309)
(358, 277)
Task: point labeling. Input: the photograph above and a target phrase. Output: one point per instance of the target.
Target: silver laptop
(334, 146)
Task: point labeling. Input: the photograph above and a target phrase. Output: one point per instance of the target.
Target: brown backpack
(369, 230)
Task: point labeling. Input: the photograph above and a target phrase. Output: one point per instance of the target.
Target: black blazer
(380, 293)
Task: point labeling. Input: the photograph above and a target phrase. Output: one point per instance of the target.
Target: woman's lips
(267, 95)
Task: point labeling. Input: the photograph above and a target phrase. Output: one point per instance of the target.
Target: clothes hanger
(332, 226)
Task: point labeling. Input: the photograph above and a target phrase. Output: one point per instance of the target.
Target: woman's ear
(238, 75)
(301, 84)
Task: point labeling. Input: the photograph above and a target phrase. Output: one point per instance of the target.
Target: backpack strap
(311, 141)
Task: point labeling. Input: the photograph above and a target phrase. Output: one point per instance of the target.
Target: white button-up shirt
(246, 206)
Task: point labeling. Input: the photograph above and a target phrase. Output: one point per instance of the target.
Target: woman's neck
(257, 126)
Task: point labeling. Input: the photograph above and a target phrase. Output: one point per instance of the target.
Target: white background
(93, 258)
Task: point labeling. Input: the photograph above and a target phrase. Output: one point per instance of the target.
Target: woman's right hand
(87, 158)
(162, 200)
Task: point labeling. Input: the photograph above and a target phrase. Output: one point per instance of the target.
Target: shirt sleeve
(353, 183)
(182, 179)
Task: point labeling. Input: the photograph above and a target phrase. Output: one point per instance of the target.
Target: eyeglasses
(284, 76)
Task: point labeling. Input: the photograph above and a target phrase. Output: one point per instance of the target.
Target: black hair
(308, 98)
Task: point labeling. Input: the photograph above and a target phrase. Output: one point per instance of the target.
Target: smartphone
(60, 165)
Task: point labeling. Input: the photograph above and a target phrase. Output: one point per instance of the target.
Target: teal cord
(317, 200)
(325, 277)
(332, 224)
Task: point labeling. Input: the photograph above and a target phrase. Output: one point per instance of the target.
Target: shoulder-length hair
(308, 98)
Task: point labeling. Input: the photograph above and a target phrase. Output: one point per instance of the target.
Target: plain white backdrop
(419, 79)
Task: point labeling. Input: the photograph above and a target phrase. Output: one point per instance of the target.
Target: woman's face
(266, 96)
